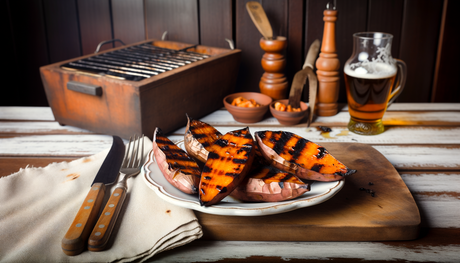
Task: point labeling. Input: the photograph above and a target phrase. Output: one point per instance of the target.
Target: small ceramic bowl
(288, 118)
(248, 115)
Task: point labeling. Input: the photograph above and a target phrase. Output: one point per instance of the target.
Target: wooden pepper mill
(273, 82)
(328, 66)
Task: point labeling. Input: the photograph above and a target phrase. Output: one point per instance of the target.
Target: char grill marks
(177, 158)
(229, 159)
(297, 150)
(204, 133)
(270, 174)
(136, 62)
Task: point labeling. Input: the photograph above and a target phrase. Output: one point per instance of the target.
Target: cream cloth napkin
(37, 206)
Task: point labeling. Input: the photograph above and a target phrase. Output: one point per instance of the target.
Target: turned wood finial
(273, 82)
(328, 66)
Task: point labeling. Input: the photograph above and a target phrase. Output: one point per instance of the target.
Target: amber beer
(368, 94)
(370, 75)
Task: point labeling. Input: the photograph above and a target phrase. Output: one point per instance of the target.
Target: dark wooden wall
(41, 32)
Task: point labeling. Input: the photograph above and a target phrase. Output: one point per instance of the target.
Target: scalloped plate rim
(229, 206)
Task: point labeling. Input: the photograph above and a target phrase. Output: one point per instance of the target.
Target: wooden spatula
(258, 16)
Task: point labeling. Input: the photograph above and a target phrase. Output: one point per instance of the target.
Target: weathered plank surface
(207, 251)
(26, 113)
(46, 114)
(54, 145)
(395, 135)
(422, 142)
(391, 118)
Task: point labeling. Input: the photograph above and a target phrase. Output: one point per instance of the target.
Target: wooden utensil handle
(74, 240)
(259, 17)
(103, 229)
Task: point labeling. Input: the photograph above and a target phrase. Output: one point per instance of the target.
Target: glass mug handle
(401, 81)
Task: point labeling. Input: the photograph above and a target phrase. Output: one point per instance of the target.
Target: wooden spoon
(258, 16)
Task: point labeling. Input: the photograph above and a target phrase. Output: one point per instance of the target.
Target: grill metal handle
(106, 42)
(84, 88)
(230, 43)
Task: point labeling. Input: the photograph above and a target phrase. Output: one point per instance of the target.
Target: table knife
(74, 241)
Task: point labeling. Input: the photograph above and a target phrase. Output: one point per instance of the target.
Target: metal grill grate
(136, 62)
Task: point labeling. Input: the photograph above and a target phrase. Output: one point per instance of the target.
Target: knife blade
(74, 241)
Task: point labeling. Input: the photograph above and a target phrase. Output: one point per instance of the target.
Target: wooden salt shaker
(273, 82)
(328, 66)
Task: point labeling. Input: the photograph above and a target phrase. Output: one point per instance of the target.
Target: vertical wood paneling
(248, 37)
(419, 41)
(447, 86)
(178, 17)
(8, 74)
(314, 21)
(29, 36)
(351, 18)
(95, 24)
(386, 16)
(294, 54)
(62, 29)
(128, 21)
(313, 27)
(277, 13)
(216, 22)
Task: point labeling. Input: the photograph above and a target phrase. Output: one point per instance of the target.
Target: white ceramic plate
(320, 192)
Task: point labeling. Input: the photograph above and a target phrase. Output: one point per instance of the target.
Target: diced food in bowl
(243, 102)
(251, 113)
(282, 107)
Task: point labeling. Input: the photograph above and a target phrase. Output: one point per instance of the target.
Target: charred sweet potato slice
(304, 158)
(268, 184)
(229, 160)
(198, 138)
(177, 166)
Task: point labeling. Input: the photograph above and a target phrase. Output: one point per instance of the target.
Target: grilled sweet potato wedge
(229, 160)
(198, 138)
(268, 184)
(306, 159)
(177, 166)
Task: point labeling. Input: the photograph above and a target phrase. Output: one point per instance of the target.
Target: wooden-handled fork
(131, 166)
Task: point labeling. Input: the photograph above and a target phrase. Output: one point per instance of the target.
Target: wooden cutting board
(351, 215)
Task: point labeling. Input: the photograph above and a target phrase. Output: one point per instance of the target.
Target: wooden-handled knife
(74, 241)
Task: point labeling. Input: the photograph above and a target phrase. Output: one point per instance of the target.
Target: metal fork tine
(127, 159)
(135, 152)
(139, 160)
(131, 159)
(142, 151)
(132, 163)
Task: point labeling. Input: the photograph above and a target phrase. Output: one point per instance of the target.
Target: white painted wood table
(422, 142)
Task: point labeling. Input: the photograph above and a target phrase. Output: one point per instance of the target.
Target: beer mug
(373, 79)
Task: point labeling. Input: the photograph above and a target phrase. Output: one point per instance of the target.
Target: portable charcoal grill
(138, 87)
(136, 62)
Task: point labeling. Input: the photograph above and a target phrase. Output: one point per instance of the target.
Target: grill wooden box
(124, 107)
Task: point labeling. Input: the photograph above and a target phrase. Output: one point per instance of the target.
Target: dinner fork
(131, 166)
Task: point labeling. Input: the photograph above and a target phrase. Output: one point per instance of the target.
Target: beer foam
(370, 70)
